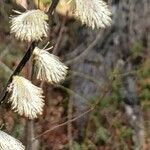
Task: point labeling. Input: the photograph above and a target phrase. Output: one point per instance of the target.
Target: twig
(69, 126)
(65, 123)
(56, 48)
(74, 53)
(85, 52)
(30, 135)
(91, 46)
(52, 7)
(105, 91)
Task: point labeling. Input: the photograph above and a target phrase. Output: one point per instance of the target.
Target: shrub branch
(26, 57)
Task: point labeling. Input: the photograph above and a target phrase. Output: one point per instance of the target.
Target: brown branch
(75, 52)
(91, 46)
(52, 7)
(69, 126)
(85, 52)
(30, 135)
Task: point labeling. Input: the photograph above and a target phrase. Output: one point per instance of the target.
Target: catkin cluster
(27, 99)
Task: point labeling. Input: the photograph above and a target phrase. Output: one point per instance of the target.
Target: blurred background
(107, 89)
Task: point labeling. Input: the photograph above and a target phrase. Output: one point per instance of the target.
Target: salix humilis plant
(31, 26)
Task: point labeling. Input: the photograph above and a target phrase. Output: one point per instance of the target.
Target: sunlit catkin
(48, 67)
(30, 25)
(93, 13)
(26, 98)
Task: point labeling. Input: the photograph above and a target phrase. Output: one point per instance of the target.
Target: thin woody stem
(18, 69)
(26, 57)
(105, 91)
(52, 7)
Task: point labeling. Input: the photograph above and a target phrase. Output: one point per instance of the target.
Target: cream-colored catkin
(30, 25)
(48, 67)
(93, 13)
(25, 98)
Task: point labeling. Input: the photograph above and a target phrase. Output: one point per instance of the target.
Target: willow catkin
(30, 25)
(26, 98)
(93, 13)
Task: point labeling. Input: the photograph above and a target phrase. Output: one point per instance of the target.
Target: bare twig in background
(85, 52)
(59, 39)
(106, 90)
(69, 125)
(74, 53)
(65, 123)
(82, 55)
(70, 102)
(30, 135)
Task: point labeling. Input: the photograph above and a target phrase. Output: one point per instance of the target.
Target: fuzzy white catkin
(8, 142)
(30, 25)
(26, 98)
(48, 67)
(93, 13)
